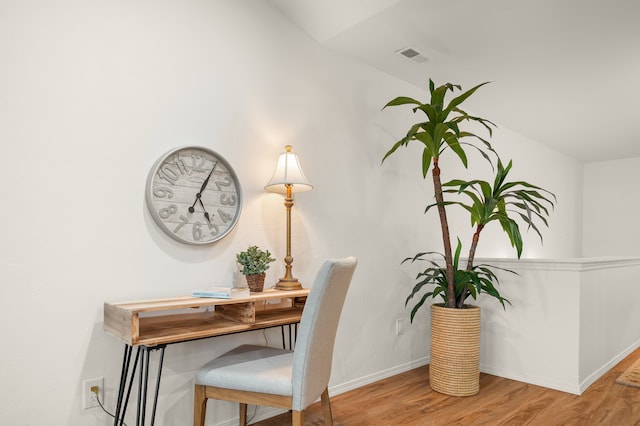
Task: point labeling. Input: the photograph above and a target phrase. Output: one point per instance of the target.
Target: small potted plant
(254, 264)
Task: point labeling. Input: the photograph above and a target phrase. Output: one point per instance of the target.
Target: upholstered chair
(282, 378)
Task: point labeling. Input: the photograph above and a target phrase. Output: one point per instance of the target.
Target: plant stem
(474, 244)
(448, 257)
(472, 255)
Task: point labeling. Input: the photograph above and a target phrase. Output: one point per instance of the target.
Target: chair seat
(250, 368)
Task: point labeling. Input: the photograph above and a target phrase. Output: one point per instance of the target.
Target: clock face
(194, 195)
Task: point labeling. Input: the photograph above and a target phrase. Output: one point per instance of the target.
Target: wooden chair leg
(297, 418)
(326, 408)
(199, 406)
(243, 414)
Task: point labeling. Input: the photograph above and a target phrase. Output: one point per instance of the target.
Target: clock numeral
(213, 228)
(228, 200)
(226, 217)
(168, 211)
(163, 192)
(177, 160)
(196, 231)
(183, 222)
(220, 184)
(168, 174)
(197, 162)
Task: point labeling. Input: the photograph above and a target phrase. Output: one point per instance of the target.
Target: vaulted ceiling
(565, 73)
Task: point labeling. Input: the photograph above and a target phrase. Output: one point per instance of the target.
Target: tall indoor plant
(500, 201)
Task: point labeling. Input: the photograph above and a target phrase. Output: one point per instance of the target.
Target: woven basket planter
(455, 350)
(255, 282)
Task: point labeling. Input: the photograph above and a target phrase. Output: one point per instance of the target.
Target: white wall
(608, 325)
(559, 331)
(611, 205)
(93, 93)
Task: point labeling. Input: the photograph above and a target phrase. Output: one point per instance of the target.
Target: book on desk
(222, 292)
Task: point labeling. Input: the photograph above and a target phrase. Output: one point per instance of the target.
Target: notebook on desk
(222, 292)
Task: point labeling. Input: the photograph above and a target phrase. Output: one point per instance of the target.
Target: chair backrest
(316, 336)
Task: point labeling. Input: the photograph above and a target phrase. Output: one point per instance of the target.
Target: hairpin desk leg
(123, 379)
(155, 398)
(121, 407)
(143, 379)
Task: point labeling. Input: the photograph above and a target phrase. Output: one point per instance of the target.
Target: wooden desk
(153, 324)
(162, 321)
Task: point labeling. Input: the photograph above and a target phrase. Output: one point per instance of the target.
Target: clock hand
(206, 181)
(206, 214)
(191, 209)
(204, 185)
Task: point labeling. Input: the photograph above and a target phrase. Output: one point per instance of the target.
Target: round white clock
(194, 195)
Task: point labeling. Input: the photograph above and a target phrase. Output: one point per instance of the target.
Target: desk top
(153, 322)
(180, 302)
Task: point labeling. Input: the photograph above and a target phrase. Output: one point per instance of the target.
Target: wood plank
(170, 320)
(239, 312)
(406, 399)
(181, 302)
(181, 328)
(120, 322)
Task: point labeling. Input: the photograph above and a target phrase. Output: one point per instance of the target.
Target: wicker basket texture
(455, 350)
(255, 282)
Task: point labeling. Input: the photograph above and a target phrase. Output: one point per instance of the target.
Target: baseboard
(372, 378)
(574, 388)
(591, 379)
(545, 382)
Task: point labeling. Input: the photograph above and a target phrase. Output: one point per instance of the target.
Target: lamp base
(284, 284)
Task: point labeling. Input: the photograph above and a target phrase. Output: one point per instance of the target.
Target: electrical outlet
(399, 326)
(88, 396)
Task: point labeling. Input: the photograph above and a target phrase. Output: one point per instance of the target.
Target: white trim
(545, 382)
(372, 378)
(578, 265)
(608, 366)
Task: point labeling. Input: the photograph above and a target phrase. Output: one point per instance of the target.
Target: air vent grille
(413, 54)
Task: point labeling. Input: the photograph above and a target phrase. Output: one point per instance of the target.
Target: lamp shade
(288, 172)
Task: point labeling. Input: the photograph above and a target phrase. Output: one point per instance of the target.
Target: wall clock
(194, 195)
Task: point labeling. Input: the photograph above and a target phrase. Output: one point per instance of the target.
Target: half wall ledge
(570, 322)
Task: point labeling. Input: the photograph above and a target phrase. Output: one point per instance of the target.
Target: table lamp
(286, 179)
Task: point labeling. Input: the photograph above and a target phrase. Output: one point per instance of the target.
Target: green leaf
(426, 162)
(453, 143)
(427, 140)
(461, 98)
(418, 305)
(393, 149)
(402, 100)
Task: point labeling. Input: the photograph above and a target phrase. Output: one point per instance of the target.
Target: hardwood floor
(407, 399)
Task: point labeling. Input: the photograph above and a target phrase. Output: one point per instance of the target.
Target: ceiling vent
(413, 54)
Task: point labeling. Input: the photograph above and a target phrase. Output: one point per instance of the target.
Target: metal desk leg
(133, 373)
(121, 407)
(123, 379)
(143, 379)
(292, 340)
(142, 387)
(155, 399)
(144, 382)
